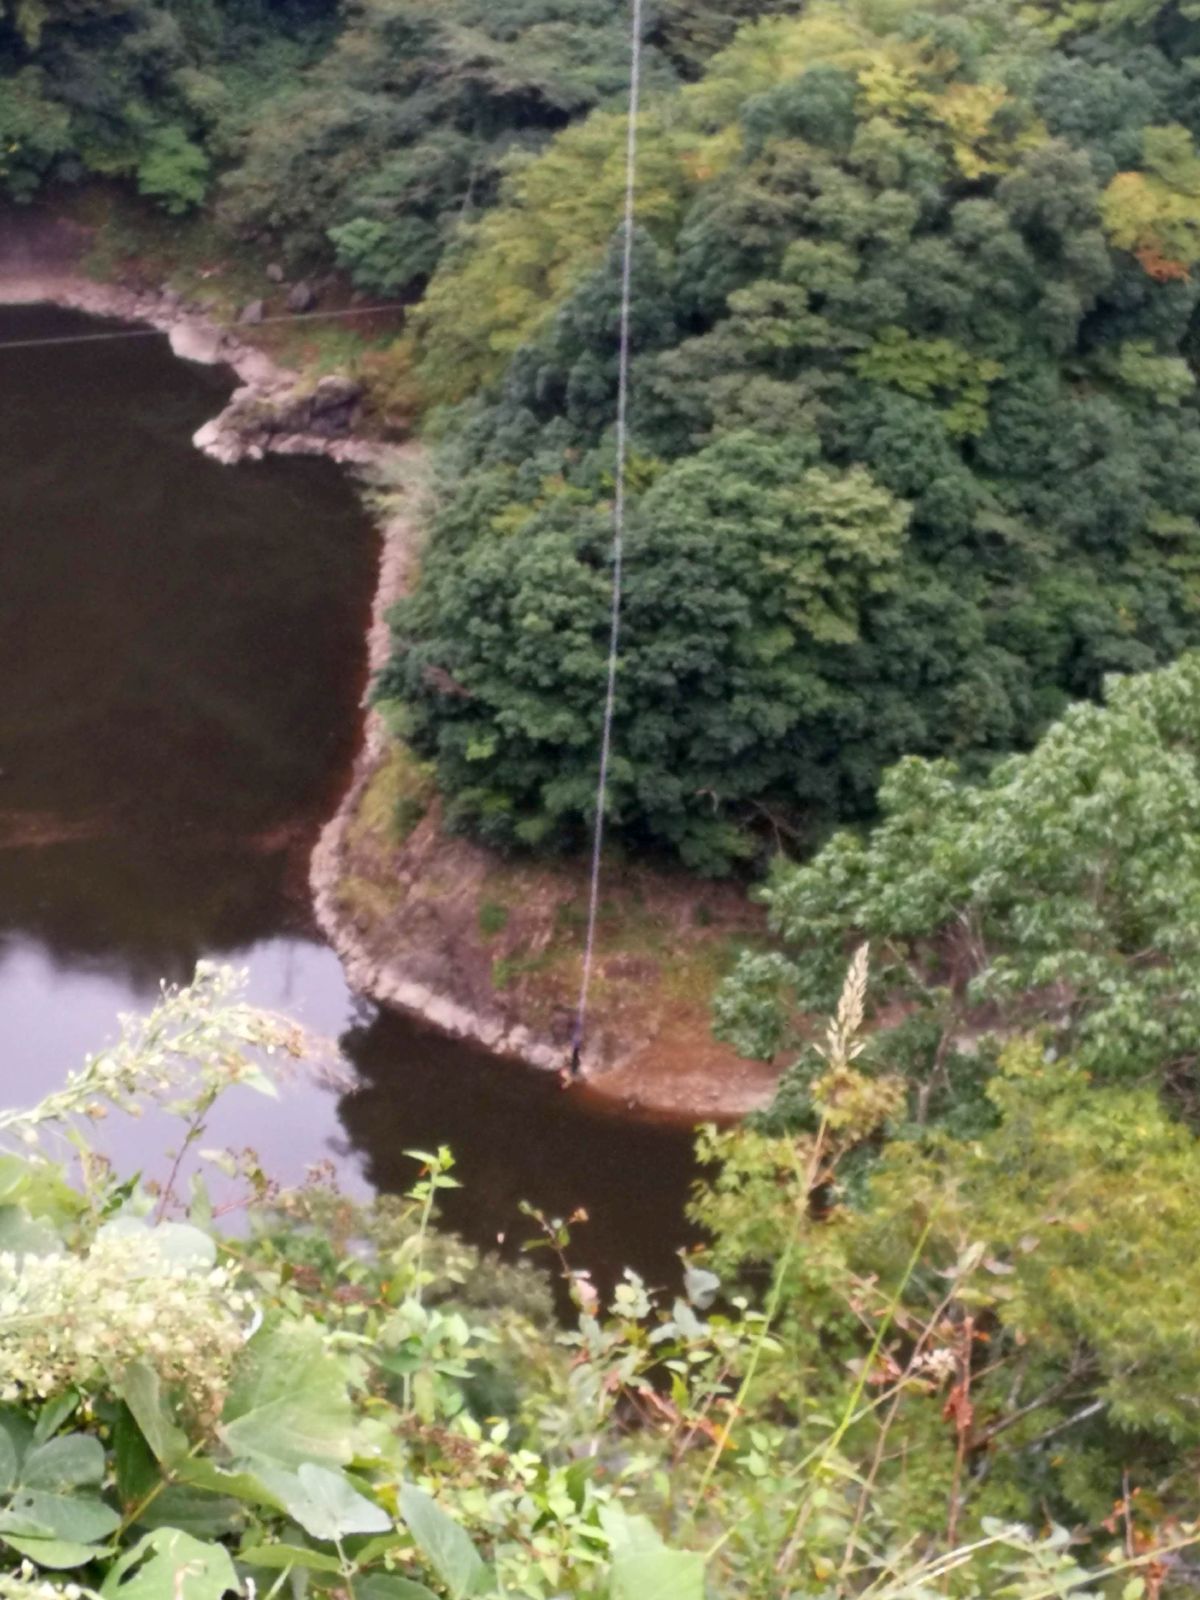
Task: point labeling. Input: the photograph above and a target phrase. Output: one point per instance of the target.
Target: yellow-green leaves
(934, 369)
(1155, 213)
(554, 222)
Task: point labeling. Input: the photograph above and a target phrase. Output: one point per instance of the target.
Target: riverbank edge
(713, 1084)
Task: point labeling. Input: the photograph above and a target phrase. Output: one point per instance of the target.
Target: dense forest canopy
(915, 425)
(363, 132)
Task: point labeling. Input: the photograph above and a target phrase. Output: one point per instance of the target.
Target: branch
(1068, 1422)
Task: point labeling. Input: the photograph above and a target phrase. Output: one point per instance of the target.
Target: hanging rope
(618, 544)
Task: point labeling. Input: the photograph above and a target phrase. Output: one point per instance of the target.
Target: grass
(365, 899)
(493, 919)
(506, 970)
(396, 799)
(214, 271)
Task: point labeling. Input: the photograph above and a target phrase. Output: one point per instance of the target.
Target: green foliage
(1062, 892)
(743, 561)
(668, 1446)
(173, 170)
(890, 266)
(33, 132)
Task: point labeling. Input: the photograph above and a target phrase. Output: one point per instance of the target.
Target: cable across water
(161, 333)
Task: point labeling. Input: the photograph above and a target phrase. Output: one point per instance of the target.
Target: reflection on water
(516, 1135)
(181, 656)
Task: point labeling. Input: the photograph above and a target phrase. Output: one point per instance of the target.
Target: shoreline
(424, 953)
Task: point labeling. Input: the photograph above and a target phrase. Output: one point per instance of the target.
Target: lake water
(181, 661)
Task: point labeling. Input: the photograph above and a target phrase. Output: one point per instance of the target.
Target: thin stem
(850, 1414)
(349, 1568)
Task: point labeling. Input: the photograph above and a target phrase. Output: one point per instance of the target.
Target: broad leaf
(23, 1235)
(64, 1463)
(194, 1511)
(58, 1554)
(643, 1568)
(141, 1390)
(247, 1487)
(136, 1469)
(170, 1565)
(390, 1586)
(281, 1557)
(174, 1244)
(324, 1503)
(443, 1543)
(658, 1575)
(700, 1285)
(289, 1402)
(53, 1414)
(38, 1514)
(9, 1460)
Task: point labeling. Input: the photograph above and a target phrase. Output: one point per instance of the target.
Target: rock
(251, 313)
(213, 441)
(170, 299)
(195, 341)
(275, 272)
(335, 393)
(301, 297)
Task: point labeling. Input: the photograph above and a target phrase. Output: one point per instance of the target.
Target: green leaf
(390, 1586)
(194, 1511)
(58, 1554)
(53, 1414)
(23, 1235)
(366, 1553)
(9, 1460)
(700, 1285)
(324, 1503)
(38, 1514)
(65, 1463)
(173, 1244)
(279, 1557)
(141, 1389)
(136, 1469)
(247, 1487)
(443, 1543)
(658, 1575)
(643, 1568)
(170, 1565)
(289, 1402)
(14, 1179)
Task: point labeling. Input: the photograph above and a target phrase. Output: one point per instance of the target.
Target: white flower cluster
(77, 1321)
(29, 1584)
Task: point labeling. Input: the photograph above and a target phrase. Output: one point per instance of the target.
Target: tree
(863, 247)
(749, 565)
(1062, 892)
(1033, 1297)
(173, 170)
(33, 133)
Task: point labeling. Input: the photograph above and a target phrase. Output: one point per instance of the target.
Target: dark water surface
(181, 657)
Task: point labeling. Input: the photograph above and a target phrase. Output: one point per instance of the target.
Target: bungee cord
(618, 543)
